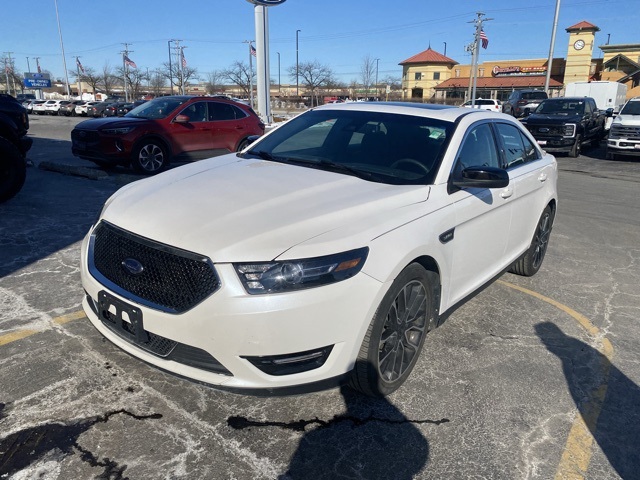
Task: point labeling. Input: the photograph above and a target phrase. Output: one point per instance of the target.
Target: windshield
(561, 107)
(155, 109)
(379, 147)
(631, 108)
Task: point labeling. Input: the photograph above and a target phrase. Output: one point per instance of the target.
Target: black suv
(521, 99)
(14, 145)
(563, 124)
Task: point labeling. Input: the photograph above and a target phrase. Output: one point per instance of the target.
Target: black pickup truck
(14, 145)
(564, 124)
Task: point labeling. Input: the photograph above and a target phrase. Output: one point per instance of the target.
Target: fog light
(293, 362)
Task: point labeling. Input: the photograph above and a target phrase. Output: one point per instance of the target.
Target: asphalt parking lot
(535, 378)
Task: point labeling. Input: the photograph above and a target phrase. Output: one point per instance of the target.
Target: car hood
(98, 123)
(632, 120)
(232, 209)
(536, 118)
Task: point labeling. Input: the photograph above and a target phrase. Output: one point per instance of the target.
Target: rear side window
(224, 111)
(534, 96)
(517, 148)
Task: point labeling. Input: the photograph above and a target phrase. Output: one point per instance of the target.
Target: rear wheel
(13, 170)
(396, 334)
(243, 144)
(150, 157)
(529, 264)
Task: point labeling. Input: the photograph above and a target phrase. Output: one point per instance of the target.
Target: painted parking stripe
(577, 451)
(20, 334)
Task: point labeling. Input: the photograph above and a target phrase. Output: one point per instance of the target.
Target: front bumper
(623, 146)
(104, 148)
(556, 144)
(238, 329)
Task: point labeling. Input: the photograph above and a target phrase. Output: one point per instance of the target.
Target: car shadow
(613, 418)
(50, 213)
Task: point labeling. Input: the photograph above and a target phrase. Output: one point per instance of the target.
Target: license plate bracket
(122, 317)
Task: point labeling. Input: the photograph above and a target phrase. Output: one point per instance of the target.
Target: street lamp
(170, 70)
(278, 71)
(445, 48)
(297, 70)
(377, 60)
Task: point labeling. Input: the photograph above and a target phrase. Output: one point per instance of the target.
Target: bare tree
(314, 76)
(368, 73)
(179, 76)
(135, 78)
(91, 78)
(107, 79)
(214, 82)
(238, 74)
(157, 82)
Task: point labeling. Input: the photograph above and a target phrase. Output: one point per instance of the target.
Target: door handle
(542, 177)
(506, 193)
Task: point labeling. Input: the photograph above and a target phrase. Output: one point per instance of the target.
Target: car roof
(441, 112)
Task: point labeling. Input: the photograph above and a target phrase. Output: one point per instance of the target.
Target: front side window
(517, 148)
(478, 149)
(197, 112)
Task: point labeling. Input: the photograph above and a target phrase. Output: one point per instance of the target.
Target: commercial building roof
(532, 81)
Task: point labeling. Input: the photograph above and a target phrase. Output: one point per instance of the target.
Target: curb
(74, 170)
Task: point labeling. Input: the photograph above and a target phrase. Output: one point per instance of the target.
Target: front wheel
(577, 147)
(529, 264)
(150, 157)
(396, 334)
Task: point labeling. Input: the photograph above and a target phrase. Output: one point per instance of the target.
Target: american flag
(79, 65)
(184, 60)
(252, 49)
(484, 39)
(130, 62)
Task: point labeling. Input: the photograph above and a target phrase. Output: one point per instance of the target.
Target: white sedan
(323, 252)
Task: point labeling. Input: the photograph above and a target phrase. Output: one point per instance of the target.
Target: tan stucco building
(431, 76)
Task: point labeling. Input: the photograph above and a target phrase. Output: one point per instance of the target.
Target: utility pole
(78, 77)
(279, 84)
(170, 67)
(28, 66)
(38, 64)
(9, 66)
(474, 47)
(250, 42)
(377, 61)
(182, 62)
(64, 60)
(552, 46)
(178, 70)
(297, 68)
(125, 68)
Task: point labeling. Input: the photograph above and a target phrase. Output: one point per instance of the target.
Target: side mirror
(609, 112)
(481, 177)
(527, 111)
(181, 119)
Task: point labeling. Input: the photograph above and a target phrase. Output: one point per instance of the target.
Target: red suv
(167, 128)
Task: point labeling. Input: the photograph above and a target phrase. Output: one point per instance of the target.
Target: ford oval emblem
(543, 130)
(133, 266)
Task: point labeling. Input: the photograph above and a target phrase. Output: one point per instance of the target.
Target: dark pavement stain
(21, 449)
(240, 423)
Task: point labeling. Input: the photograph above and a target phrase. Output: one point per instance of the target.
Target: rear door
(229, 126)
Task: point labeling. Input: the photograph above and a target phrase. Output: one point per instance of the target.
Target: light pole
(170, 68)
(551, 47)
(64, 60)
(377, 60)
(297, 68)
(28, 66)
(278, 71)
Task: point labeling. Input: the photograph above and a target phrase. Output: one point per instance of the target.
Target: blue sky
(337, 33)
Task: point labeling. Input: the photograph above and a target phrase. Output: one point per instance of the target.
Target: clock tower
(580, 52)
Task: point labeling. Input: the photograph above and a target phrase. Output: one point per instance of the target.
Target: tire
(150, 157)
(242, 145)
(13, 170)
(610, 156)
(396, 334)
(577, 147)
(529, 264)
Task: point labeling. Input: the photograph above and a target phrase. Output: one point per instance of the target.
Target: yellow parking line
(577, 451)
(20, 334)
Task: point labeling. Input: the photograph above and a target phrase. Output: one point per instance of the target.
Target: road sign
(37, 83)
(38, 76)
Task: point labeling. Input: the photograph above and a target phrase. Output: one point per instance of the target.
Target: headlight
(118, 131)
(287, 275)
(569, 130)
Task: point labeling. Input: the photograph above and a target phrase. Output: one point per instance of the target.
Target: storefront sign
(498, 71)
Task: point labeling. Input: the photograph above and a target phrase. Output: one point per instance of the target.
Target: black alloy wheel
(529, 264)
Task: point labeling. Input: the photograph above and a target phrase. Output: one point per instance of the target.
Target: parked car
(81, 109)
(28, 105)
(98, 109)
(564, 124)
(484, 104)
(38, 107)
(69, 109)
(325, 251)
(521, 99)
(176, 127)
(21, 97)
(14, 145)
(52, 107)
(624, 136)
(125, 108)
